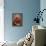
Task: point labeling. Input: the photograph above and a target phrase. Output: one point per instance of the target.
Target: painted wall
(28, 8)
(43, 6)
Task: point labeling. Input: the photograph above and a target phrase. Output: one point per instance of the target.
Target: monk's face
(17, 19)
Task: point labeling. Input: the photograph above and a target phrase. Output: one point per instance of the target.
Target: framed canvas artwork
(17, 19)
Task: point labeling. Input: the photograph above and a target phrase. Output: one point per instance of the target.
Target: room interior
(16, 35)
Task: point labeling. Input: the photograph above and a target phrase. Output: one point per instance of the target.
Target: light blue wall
(43, 6)
(28, 8)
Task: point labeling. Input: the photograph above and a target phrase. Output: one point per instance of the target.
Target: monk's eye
(25, 44)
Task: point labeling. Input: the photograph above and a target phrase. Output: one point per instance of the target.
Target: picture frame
(17, 19)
